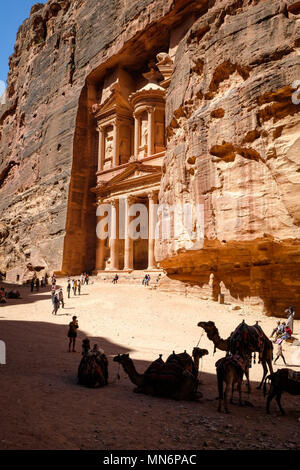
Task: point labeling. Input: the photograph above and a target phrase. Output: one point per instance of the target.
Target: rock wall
(233, 147)
(232, 127)
(47, 133)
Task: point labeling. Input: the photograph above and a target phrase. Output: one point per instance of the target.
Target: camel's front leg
(227, 388)
(248, 380)
(264, 375)
(240, 392)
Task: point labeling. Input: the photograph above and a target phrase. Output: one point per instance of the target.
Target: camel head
(199, 352)
(207, 325)
(122, 359)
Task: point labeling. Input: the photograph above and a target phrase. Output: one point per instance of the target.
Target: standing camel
(244, 340)
(230, 369)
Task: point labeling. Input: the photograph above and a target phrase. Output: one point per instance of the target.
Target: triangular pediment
(135, 171)
(114, 104)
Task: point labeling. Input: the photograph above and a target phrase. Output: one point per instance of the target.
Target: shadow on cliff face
(265, 275)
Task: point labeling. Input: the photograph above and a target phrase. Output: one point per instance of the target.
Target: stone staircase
(135, 277)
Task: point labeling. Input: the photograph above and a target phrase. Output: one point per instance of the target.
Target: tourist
(278, 330)
(87, 279)
(69, 288)
(61, 298)
(290, 321)
(32, 284)
(287, 333)
(75, 287)
(37, 284)
(82, 278)
(79, 286)
(115, 279)
(55, 304)
(147, 279)
(279, 351)
(72, 333)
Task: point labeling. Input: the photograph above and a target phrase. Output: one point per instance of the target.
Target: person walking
(61, 298)
(75, 287)
(69, 289)
(79, 286)
(280, 351)
(56, 304)
(290, 321)
(87, 279)
(72, 333)
(32, 285)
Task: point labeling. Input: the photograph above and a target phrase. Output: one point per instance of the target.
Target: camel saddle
(293, 375)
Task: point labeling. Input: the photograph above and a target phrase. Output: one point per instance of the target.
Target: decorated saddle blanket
(293, 375)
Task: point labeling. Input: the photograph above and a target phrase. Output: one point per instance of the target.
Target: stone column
(101, 148)
(115, 142)
(114, 238)
(150, 142)
(100, 247)
(151, 236)
(128, 253)
(136, 135)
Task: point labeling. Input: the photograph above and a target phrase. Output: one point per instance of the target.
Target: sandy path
(42, 407)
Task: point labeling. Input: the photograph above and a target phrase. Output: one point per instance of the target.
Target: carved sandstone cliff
(234, 142)
(233, 137)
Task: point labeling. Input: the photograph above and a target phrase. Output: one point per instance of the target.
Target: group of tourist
(283, 331)
(37, 283)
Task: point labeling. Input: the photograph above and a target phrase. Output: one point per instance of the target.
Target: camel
(176, 378)
(93, 368)
(243, 341)
(230, 369)
(284, 380)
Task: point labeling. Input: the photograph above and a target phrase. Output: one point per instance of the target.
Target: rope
(200, 339)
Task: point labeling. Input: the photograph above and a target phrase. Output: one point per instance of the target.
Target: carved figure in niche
(108, 146)
(144, 133)
(124, 150)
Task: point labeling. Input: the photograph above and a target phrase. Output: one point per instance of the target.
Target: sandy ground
(43, 407)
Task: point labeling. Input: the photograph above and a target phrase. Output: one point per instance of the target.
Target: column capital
(153, 196)
(114, 202)
(150, 109)
(130, 198)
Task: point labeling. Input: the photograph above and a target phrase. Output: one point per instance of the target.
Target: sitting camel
(244, 340)
(176, 378)
(230, 369)
(284, 380)
(93, 368)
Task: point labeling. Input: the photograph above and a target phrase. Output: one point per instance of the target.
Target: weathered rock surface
(234, 148)
(232, 126)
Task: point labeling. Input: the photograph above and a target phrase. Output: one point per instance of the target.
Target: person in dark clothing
(55, 304)
(87, 279)
(37, 284)
(72, 333)
(32, 285)
(79, 286)
(115, 279)
(69, 289)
